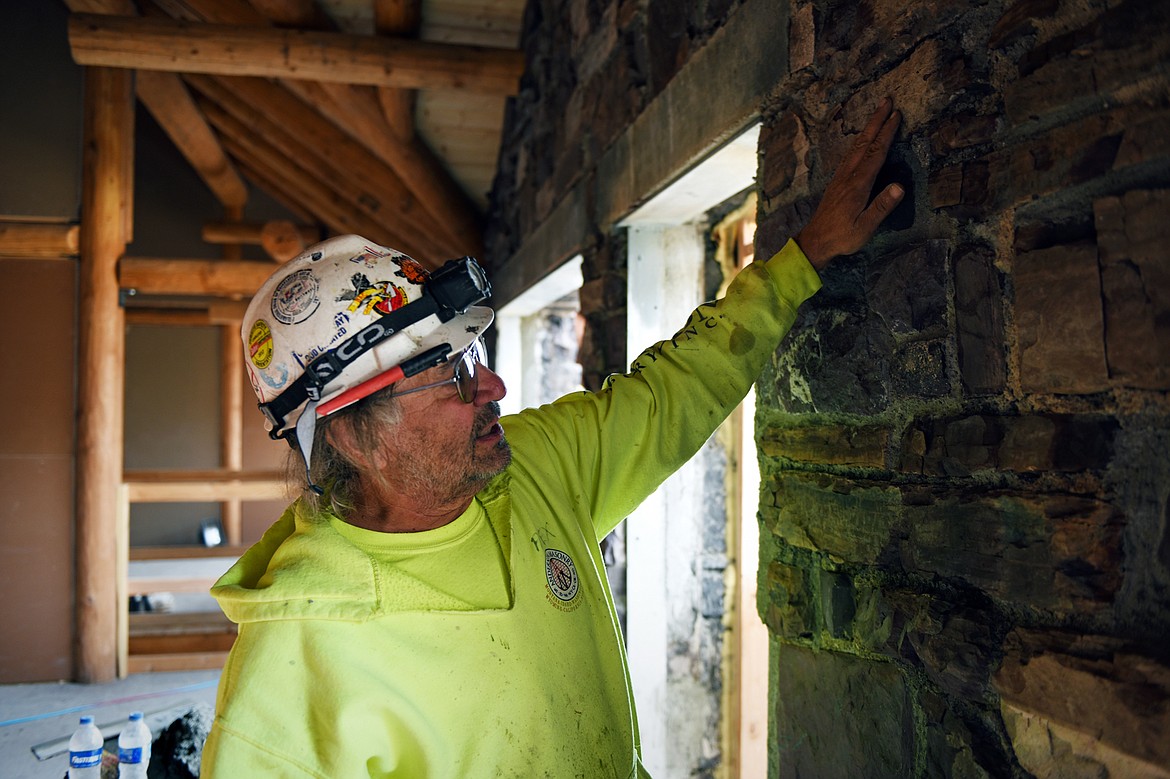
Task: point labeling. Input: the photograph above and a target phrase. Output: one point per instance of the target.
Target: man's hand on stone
(845, 220)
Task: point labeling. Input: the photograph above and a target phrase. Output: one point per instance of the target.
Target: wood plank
(180, 46)
(168, 317)
(145, 646)
(166, 97)
(105, 205)
(217, 278)
(204, 486)
(192, 585)
(184, 552)
(194, 643)
(398, 18)
(177, 623)
(39, 240)
(178, 661)
(217, 312)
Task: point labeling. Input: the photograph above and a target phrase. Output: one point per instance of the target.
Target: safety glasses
(465, 378)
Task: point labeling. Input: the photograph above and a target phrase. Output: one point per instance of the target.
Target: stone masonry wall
(966, 438)
(965, 558)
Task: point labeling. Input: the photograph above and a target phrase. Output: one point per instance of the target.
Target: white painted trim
(516, 361)
(730, 169)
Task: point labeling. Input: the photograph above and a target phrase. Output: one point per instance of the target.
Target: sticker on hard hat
(296, 298)
(381, 297)
(260, 344)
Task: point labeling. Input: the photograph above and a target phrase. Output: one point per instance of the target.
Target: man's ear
(340, 435)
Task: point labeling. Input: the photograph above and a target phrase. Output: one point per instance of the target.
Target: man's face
(448, 448)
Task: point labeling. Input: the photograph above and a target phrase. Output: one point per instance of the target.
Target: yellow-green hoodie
(488, 647)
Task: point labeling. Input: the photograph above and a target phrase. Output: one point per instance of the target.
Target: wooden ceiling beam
(402, 19)
(215, 11)
(356, 110)
(334, 207)
(190, 47)
(265, 111)
(166, 97)
(303, 14)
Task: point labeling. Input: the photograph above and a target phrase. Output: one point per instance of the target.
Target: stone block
(837, 715)
(922, 86)
(841, 363)
(953, 643)
(979, 321)
(847, 520)
(962, 131)
(1132, 232)
(1059, 320)
(827, 444)
(837, 603)
(1144, 140)
(908, 291)
(1080, 699)
(964, 190)
(919, 370)
(1081, 151)
(791, 610)
(1028, 443)
(945, 186)
(1100, 57)
(801, 37)
(951, 743)
(178, 750)
(784, 164)
(1057, 553)
(1020, 19)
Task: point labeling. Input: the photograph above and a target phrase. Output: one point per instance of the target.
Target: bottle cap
(136, 715)
(87, 720)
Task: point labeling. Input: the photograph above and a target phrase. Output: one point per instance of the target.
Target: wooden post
(232, 423)
(109, 145)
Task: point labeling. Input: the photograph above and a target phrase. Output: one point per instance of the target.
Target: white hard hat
(346, 317)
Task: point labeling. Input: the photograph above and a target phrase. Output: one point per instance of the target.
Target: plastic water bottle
(134, 748)
(85, 751)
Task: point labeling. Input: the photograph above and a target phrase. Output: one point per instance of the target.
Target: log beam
(251, 233)
(187, 47)
(357, 110)
(169, 102)
(214, 278)
(105, 209)
(39, 240)
(272, 123)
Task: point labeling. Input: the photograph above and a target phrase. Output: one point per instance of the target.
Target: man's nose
(491, 386)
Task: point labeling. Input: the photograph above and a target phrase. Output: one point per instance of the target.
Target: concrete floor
(32, 715)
